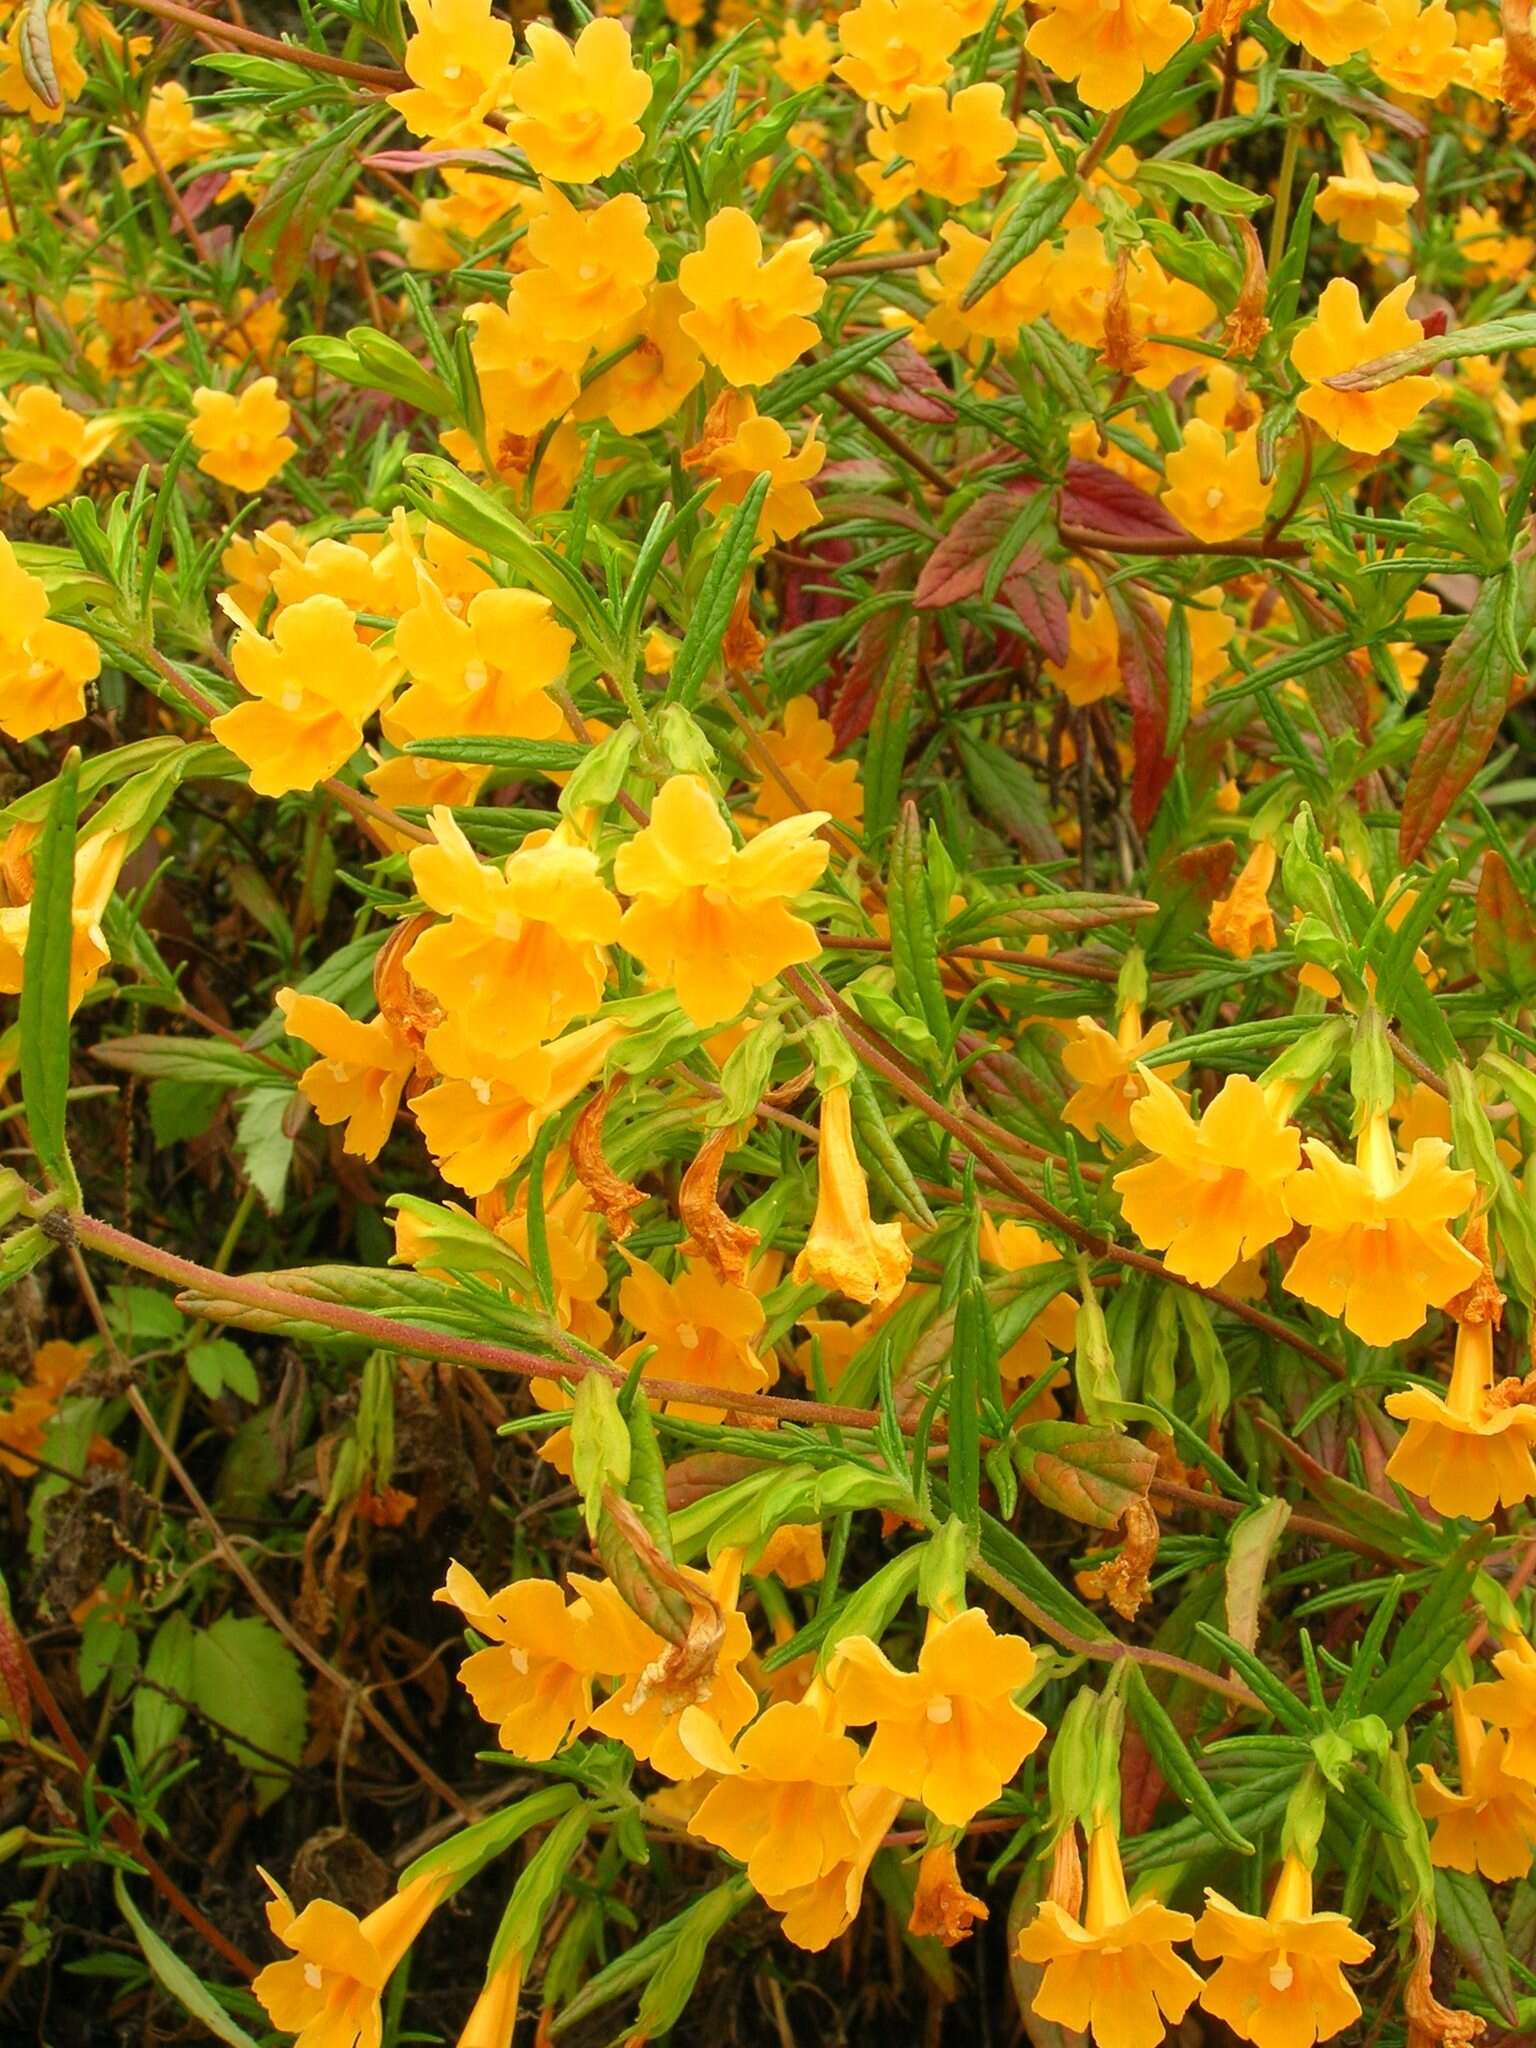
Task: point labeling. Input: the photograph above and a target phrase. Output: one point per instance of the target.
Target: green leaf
(1468, 1922)
(1429, 1638)
(219, 1364)
(885, 755)
(206, 1061)
(157, 1720)
(717, 598)
(1178, 1767)
(1091, 1473)
(1250, 1547)
(245, 1678)
(1033, 219)
(173, 1975)
(543, 757)
(265, 1148)
(45, 984)
(1199, 187)
(1008, 792)
(309, 186)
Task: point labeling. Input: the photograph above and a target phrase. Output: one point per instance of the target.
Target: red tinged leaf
(1096, 497)
(1091, 1473)
(1031, 586)
(1504, 933)
(1032, 590)
(920, 393)
(1144, 667)
(1477, 682)
(851, 706)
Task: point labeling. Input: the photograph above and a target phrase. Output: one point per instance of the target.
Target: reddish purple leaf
(1096, 497)
(1144, 666)
(920, 394)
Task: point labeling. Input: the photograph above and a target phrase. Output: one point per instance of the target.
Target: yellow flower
(800, 747)
(1159, 304)
(1092, 667)
(577, 103)
(1014, 1248)
(1108, 49)
(710, 919)
(480, 1126)
(954, 149)
(1214, 490)
(1340, 339)
(44, 666)
(1470, 1452)
(1280, 1983)
(493, 2016)
(327, 1993)
(1484, 239)
(661, 1681)
(1329, 30)
(519, 954)
(846, 1249)
(1013, 302)
(781, 1806)
(1080, 280)
(647, 385)
(1215, 1191)
(459, 64)
(528, 375)
(16, 88)
(98, 863)
(49, 446)
(1490, 1824)
(699, 1329)
(1380, 1253)
(1108, 1071)
(173, 132)
(313, 685)
(815, 1914)
(890, 46)
(738, 446)
(1357, 202)
(242, 441)
(534, 1682)
(488, 672)
(949, 1733)
(749, 314)
(1243, 922)
(1418, 53)
(432, 239)
(803, 57)
(250, 561)
(596, 265)
(1114, 1972)
(361, 1072)
(1509, 1701)
(794, 1555)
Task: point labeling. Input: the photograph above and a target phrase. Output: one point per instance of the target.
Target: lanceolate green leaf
(45, 984)
(717, 598)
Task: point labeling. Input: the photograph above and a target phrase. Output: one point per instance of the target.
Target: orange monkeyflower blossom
(528, 376)
(1340, 338)
(1213, 489)
(1490, 1824)
(954, 148)
(1080, 281)
(781, 1805)
(800, 748)
(1380, 1253)
(50, 447)
(98, 862)
(26, 1412)
(846, 1250)
(17, 92)
(750, 312)
(481, 1124)
(660, 1681)
(1508, 1701)
(1107, 1068)
(794, 1555)
(708, 918)
(475, 203)
(1469, 1451)
(1113, 1973)
(361, 1073)
(803, 57)
(519, 954)
(44, 666)
(647, 385)
(1013, 302)
(173, 132)
(1329, 30)
(313, 685)
(488, 671)
(815, 1914)
(1214, 1193)
(1357, 202)
(459, 62)
(242, 441)
(1242, 923)
(949, 1733)
(251, 560)
(596, 266)
(1092, 669)
(890, 46)
(1016, 1248)
(1162, 304)
(1418, 53)
(1280, 1981)
(534, 1680)
(1484, 240)
(578, 104)
(738, 446)
(699, 1329)
(941, 1905)
(327, 1992)
(1107, 50)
